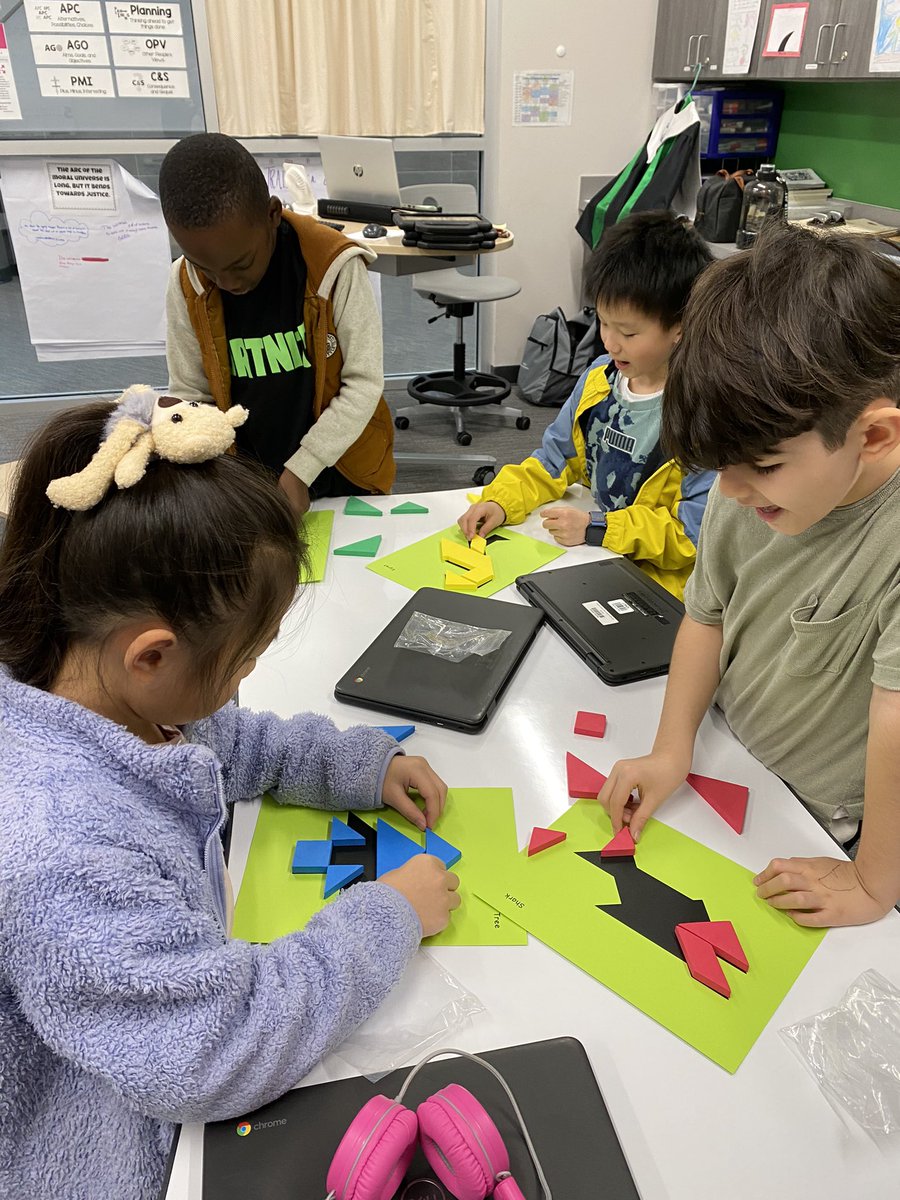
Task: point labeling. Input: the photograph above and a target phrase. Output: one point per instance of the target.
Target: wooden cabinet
(688, 33)
(837, 42)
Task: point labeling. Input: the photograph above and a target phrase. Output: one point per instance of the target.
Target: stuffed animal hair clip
(144, 423)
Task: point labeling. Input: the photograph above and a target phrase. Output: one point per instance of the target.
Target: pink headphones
(461, 1142)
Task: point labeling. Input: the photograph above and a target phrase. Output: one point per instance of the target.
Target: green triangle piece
(408, 508)
(367, 548)
(360, 508)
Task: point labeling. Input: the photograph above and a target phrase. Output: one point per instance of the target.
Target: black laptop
(286, 1154)
(424, 687)
(616, 618)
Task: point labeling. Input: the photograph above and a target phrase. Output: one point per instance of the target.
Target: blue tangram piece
(392, 848)
(449, 855)
(342, 835)
(311, 858)
(338, 877)
(398, 732)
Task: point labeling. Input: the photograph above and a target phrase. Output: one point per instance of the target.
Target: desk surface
(688, 1128)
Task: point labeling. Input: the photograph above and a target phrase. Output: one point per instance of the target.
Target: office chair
(457, 294)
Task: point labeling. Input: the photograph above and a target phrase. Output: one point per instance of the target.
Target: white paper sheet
(740, 34)
(93, 257)
(885, 53)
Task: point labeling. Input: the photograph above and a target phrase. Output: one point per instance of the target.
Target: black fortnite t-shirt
(271, 374)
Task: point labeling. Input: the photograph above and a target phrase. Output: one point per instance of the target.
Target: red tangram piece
(621, 846)
(583, 781)
(728, 799)
(543, 839)
(702, 962)
(590, 724)
(723, 939)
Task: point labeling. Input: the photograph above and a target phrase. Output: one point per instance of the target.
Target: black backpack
(719, 206)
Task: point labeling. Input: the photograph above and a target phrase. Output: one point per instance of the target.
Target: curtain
(390, 68)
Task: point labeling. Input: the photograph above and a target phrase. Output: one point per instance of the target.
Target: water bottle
(764, 196)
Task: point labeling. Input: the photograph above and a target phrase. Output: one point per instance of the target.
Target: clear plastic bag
(427, 1008)
(853, 1052)
(448, 639)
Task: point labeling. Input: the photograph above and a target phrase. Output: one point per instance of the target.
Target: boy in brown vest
(274, 311)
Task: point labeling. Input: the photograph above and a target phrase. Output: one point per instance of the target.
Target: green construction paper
(315, 528)
(360, 508)
(553, 895)
(273, 902)
(409, 508)
(420, 565)
(367, 548)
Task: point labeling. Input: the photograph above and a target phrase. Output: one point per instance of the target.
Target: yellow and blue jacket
(659, 530)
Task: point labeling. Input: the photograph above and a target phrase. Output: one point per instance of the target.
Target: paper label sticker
(84, 83)
(620, 606)
(599, 613)
(82, 186)
(148, 51)
(143, 18)
(152, 85)
(68, 50)
(51, 15)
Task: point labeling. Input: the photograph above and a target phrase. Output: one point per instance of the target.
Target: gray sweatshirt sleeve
(302, 760)
(187, 379)
(358, 325)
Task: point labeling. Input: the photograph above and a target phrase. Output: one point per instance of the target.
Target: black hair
(650, 261)
(209, 177)
(800, 333)
(211, 549)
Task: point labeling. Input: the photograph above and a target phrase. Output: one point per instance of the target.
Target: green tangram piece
(408, 508)
(360, 508)
(367, 548)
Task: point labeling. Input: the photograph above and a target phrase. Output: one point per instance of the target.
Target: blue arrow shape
(398, 732)
(393, 848)
(338, 877)
(449, 855)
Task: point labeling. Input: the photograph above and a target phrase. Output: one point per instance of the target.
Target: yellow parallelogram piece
(458, 583)
(481, 574)
(459, 556)
(478, 544)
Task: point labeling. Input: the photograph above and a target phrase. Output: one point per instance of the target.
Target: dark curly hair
(207, 178)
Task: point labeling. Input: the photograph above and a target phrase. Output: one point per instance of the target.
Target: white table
(690, 1130)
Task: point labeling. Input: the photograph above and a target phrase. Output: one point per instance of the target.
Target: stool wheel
(401, 422)
(464, 438)
(523, 422)
(483, 475)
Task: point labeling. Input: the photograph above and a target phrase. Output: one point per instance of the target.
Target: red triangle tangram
(543, 839)
(621, 846)
(728, 799)
(703, 943)
(583, 781)
(723, 939)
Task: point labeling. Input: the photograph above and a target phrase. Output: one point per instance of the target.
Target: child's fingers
(430, 787)
(467, 523)
(397, 798)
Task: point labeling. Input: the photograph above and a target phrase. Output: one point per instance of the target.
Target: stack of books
(806, 190)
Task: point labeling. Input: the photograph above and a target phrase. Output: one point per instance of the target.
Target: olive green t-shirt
(809, 624)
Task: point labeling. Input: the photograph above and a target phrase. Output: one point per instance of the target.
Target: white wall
(531, 174)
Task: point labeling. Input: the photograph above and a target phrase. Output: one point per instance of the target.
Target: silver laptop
(361, 169)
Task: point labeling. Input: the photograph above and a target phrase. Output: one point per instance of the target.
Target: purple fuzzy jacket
(123, 1006)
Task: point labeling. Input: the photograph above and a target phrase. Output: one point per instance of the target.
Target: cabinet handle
(700, 59)
(836, 62)
(689, 64)
(822, 29)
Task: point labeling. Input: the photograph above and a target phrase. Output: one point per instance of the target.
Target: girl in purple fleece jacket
(124, 1006)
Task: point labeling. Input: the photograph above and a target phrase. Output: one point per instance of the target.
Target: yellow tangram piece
(459, 583)
(481, 574)
(478, 544)
(459, 556)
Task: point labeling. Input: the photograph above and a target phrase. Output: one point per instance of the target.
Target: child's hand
(568, 525)
(407, 771)
(296, 491)
(654, 777)
(481, 518)
(429, 887)
(818, 891)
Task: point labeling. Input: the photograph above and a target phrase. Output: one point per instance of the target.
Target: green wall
(849, 133)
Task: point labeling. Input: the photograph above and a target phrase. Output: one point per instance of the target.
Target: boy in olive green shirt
(787, 382)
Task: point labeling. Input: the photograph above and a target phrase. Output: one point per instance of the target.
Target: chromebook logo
(244, 1128)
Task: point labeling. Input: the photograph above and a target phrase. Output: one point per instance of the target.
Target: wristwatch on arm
(596, 529)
